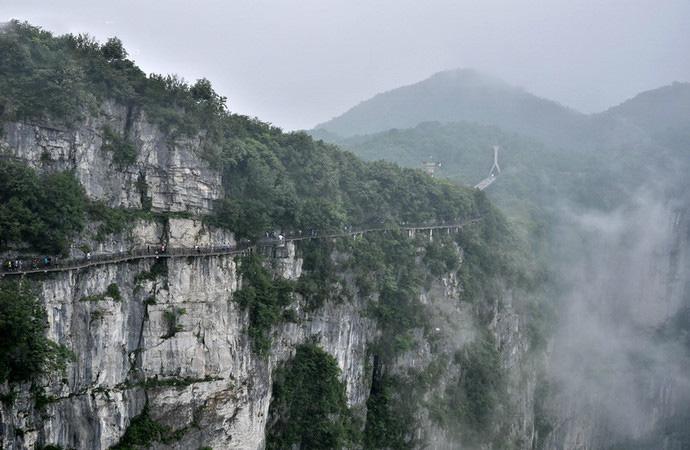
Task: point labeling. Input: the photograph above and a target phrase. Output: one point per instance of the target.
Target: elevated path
(493, 173)
(185, 252)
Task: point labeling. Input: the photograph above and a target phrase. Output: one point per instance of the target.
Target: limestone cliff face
(175, 340)
(167, 171)
(121, 343)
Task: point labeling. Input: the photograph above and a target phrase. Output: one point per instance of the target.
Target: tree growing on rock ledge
(25, 351)
(309, 407)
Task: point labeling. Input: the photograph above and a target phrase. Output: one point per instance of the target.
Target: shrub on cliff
(309, 408)
(265, 298)
(25, 351)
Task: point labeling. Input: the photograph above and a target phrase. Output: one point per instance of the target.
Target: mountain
(172, 320)
(455, 117)
(464, 152)
(534, 176)
(461, 95)
(663, 114)
(603, 199)
(657, 110)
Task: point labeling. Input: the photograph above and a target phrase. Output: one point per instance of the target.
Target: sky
(296, 63)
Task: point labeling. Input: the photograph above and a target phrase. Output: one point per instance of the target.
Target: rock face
(168, 173)
(620, 358)
(175, 342)
(126, 356)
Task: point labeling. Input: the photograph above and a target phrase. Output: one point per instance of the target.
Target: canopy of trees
(309, 407)
(272, 179)
(39, 211)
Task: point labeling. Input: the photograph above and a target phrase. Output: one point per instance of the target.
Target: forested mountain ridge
(469, 96)
(591, 160)
(269, 178)
(657, 110)
(457, 96)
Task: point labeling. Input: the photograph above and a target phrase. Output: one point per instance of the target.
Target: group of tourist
(17, 265)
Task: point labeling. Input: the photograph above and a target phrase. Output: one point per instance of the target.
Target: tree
(39, 211)
(309, 407)
(113, 50)
(25, 351)
(202, 90)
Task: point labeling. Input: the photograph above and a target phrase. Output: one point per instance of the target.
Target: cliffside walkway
(241, 249)
(493, 173)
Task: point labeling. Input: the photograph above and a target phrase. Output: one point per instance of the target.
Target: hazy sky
(298, 62)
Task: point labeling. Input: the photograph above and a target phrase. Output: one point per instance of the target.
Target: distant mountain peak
(453, 96)
(468, 77)
(663, 108)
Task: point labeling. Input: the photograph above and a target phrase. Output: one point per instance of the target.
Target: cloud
(613, 359)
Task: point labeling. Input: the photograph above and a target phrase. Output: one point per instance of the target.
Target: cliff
(201, 379)
(620, 358)
(169, 175)
(424, 339)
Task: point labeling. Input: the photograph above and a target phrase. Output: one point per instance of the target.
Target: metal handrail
(60, 265)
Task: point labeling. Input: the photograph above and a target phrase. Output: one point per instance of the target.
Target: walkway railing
(29, 266)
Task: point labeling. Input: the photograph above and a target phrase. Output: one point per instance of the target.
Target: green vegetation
(456, 96)
(143, 188)
(178, 382)
(39, 211)
(112, 291)
(272, 179)
(275, 180)
(318, 281)
(116, 220)
(265, 298)
(659, 111)
(385, 263)
(158, 269)
(475, 406)
(308, 408)
(441, 257)
(291, 182)
(481, 385)
(390, 418)
(41, 399)
(144, 431)
(534, 175)
(394, 403)
(25, 351)
(124, 153)
(172, 321)
(43, 212)
(63, 78)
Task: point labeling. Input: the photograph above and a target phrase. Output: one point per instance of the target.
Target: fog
(615, 358)
(296, 64)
